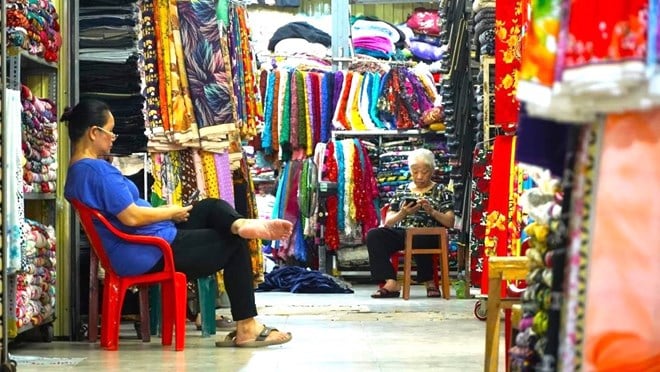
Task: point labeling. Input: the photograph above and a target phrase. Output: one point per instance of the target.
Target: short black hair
(86, 114)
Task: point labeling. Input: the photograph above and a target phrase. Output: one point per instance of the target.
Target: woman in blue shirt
(205, 238)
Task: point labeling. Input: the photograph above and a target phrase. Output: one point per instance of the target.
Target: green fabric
(222, 12)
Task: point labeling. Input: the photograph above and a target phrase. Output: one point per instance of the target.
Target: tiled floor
(331, 332)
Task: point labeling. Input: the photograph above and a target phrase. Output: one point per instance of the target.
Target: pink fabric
(623, 294)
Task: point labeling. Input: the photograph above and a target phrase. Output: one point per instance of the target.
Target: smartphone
(408, 201)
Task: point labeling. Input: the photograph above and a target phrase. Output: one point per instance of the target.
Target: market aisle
(343, 332)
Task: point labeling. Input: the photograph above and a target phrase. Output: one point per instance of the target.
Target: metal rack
(5, 363)
(15, 63)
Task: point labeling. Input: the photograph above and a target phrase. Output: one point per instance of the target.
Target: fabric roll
(208, 75)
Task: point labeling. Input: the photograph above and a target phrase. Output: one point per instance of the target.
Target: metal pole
(5, 180)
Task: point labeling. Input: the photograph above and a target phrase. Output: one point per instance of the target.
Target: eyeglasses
(113, 136)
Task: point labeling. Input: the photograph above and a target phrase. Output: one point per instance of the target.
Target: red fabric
(331, 174)
(510, 20)
(496, 241)
(610, 32)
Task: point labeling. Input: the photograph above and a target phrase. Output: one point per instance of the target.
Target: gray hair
(422, 156)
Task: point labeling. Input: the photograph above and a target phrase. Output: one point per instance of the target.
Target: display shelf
(381, 2)
(383, 132)
(47, 320)
(32, 61)
(39, 196)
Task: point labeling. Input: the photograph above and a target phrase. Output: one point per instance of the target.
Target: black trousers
(383, 241)
(204, 245)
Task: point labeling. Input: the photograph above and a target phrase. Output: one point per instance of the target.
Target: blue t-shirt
(99, 185)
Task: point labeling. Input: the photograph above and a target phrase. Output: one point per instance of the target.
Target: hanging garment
(621, 328)
(209, 75)
(511, 19)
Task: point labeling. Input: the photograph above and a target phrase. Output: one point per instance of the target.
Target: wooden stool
(442, 250)
(500, 268)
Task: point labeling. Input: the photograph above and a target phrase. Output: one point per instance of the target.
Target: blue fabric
(341, 180)
(101, 186)
(266, 134)
(296, 279)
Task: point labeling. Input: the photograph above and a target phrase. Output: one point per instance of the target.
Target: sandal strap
(265, 332)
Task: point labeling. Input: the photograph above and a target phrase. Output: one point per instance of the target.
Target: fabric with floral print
(509, 24)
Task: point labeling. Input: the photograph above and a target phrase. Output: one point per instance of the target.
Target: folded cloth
(374, 43)
(299, 30)
(297, 279)
(297, 45)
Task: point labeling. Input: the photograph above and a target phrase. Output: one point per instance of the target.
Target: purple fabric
(225, 180)
(377, 43)
(339, 81)
(548, 153)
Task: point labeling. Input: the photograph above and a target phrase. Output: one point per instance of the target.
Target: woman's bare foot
(262, 229)
(392, 285)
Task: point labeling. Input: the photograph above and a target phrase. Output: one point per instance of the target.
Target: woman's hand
(180, 214)
(426, 206)
(410, 208)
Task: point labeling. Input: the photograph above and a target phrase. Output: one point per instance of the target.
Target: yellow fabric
(356, 120)
(437, 127)
(156, 168)
(164, 24)
(183, 114)
(175, 186)
(210, 174)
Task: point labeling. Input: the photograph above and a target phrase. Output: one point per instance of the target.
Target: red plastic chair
(394, 258)
(173, 284)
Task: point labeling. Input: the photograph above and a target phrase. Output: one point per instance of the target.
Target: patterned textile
(39, 134)
(183, 117)
(35, 281)
(163, 56)
(13, 212)
(245, 73)
(151, 87)
(34, 27)
(208, 73)
(210, 175)
(496, 241)
(509, 24)
(188, 175)
(242, 176)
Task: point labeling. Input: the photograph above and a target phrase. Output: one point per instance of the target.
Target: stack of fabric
(300, 37)
(109, 67)
(39, 134)
(393, 165)
(34, 27)
(35, 281)
(423, 31)
(376, 38)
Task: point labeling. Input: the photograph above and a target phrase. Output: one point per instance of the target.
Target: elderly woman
(421, 203)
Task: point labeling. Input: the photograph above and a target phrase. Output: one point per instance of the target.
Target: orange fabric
(623, 294)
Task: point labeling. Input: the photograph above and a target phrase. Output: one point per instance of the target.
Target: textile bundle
(34, 27)
(354, 210)
(605, 60)
(110, 68)
(35, 281)
(39, 127)
(303, 107)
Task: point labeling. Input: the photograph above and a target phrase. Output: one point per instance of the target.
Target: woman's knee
(375, 239)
